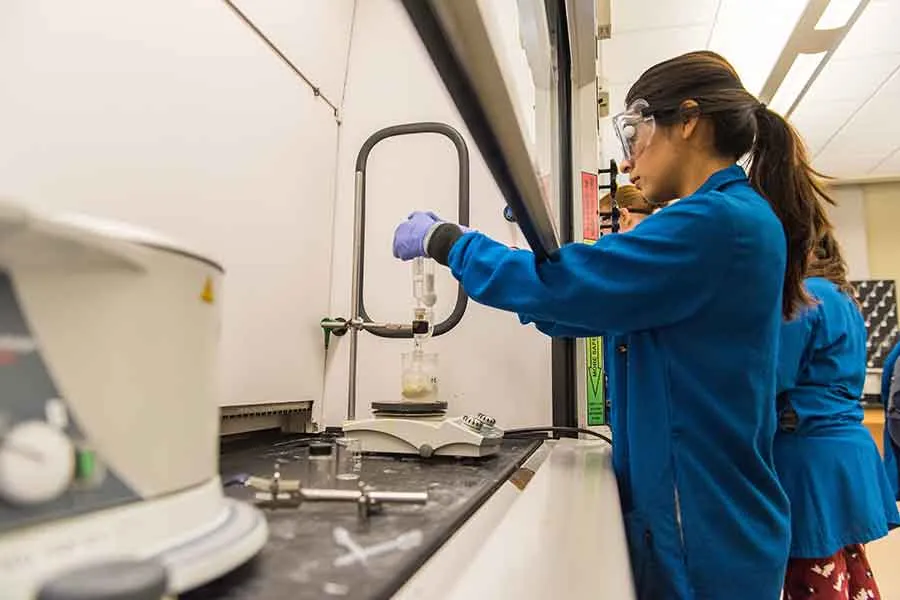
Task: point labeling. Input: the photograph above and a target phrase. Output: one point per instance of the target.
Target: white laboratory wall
(849, 219)
(313, 34)
(173, 115)
(489, 362)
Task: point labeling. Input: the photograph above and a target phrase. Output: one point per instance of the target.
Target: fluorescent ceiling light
(837, 14)
(753, 34)
(798, 76)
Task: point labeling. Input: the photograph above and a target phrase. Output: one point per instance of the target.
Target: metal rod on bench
(355, 291)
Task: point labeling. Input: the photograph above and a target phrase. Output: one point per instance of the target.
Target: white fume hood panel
(489, 362)
(172, 115)
(313, 34)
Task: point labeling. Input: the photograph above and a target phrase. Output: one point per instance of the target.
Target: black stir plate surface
(298, 562)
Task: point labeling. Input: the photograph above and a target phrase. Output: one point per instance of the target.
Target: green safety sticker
(596, 401)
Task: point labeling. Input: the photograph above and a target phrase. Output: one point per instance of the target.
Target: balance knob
(473, 423)
(37, 463)
(486, 420)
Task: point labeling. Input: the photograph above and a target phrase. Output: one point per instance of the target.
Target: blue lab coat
(695, 294)
(891, 447)
(828, 462)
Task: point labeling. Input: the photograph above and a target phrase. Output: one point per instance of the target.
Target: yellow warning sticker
(208, 295)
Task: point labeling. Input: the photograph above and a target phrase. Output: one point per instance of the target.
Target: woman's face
(653, 165)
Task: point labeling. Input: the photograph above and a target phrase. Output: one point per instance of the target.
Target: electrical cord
(532, 430)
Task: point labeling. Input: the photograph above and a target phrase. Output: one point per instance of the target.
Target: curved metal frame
(359, 318)
(362, 158)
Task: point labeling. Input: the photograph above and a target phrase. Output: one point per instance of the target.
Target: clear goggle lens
(634, 128)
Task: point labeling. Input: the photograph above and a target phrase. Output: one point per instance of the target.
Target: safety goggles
(634, 128)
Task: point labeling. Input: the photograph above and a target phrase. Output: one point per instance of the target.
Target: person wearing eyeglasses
(699, 291)
(826, 459)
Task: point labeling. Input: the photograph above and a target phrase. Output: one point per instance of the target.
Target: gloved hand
(411, 235)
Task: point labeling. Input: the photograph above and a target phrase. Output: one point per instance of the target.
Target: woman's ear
(690, 118)
(625, 218)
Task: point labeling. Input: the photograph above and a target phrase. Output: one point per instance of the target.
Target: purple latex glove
(409, 237)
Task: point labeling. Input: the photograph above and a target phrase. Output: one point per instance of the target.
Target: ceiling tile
(627, 55)
(872, 130)
(851, 79)
(838, 92)
(751, 35)
(874, 32)
(890, 165)
(843, 162)
(818, 121)
(634, 15)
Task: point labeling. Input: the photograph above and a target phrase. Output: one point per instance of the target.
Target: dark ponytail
(780, 171)
(779, 168)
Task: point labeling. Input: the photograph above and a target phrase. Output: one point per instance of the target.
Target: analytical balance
(415, 422)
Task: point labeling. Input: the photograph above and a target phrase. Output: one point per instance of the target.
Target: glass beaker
(349, 458)
(419, 378)
(319, 466)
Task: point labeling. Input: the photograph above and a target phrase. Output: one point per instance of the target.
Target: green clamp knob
(329, 330)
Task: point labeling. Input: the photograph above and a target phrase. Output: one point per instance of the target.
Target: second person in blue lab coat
(699, 291)
(827, 460)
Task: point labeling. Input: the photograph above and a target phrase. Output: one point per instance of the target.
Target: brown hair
(828, 259)
(779, 167)
(627, 196)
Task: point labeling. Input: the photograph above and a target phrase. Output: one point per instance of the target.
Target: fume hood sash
(456, 37)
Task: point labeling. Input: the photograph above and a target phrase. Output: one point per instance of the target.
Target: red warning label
(590, 204)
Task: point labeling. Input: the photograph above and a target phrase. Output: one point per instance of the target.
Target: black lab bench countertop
(297, 563)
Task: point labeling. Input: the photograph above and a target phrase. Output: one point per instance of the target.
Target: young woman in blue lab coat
(890, 396)
(699, 292)
(826, 459)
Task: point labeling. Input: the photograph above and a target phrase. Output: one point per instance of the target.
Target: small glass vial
(349, 458)
(319, 466)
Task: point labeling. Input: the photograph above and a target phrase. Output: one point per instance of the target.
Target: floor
(884, 555)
